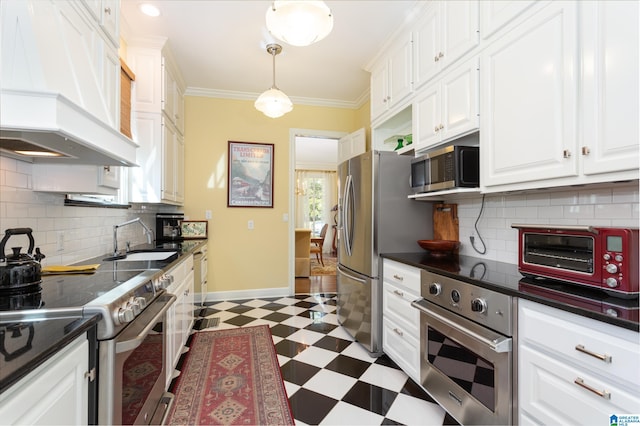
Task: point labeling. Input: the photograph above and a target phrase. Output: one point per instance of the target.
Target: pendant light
(273, 103)
(299, 23)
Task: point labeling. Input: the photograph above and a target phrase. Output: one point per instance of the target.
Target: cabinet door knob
(586, 150)
(566, 153)
(440, 55)
(107, 10)
(435, 58)
(435, 129)
(441, 127)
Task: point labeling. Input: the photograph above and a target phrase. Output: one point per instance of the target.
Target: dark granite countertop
(505, 278)
(18, 357)
(27, 344)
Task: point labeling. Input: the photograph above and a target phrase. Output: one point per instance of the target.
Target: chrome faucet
(147, 231)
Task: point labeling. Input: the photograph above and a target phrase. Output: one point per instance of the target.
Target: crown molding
(249, 96)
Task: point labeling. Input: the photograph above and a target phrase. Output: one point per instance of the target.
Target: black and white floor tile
(329, 378)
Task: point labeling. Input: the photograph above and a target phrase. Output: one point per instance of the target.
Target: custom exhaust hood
(52, 92)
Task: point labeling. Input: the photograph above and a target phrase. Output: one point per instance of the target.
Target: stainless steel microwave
(450, 167)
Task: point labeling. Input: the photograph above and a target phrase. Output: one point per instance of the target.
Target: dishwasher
(200, 272)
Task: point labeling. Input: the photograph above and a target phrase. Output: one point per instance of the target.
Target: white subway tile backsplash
(611, 205)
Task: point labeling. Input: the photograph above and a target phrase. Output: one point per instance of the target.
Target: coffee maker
(168, 227)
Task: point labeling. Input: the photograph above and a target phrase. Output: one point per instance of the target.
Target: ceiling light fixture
(149, 10)
(273, 103)
(299, 23)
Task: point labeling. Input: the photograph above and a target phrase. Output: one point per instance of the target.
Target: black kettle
(19, 269)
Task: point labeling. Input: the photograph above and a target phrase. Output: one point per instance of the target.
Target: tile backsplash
(604, 205)
(82, 232)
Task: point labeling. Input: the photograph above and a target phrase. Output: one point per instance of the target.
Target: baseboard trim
(219, 296)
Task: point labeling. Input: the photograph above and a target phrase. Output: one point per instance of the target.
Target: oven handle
(499, 345)
(131, 344)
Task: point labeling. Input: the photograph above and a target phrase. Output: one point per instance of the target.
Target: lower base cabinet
(573, 369)
(401, 321)
(180, 315)
(55, 393)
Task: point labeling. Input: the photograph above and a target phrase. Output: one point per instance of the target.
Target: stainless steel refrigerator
(375, 217)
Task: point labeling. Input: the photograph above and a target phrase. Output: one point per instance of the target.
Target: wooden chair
(318, 242)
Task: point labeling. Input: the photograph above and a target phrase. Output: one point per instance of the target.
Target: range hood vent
(51, 95)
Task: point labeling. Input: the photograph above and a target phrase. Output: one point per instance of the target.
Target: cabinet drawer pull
(398, 332)
(398, 292)
(604, 394)
(606, 358)
(398, 277)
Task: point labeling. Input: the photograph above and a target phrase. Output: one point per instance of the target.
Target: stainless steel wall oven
(467, 349)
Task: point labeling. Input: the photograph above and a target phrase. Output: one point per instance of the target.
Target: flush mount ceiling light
(149, 10)
(299, 23)
(273, 103)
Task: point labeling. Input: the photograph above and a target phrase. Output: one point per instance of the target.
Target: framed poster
(250, 174)
(193, 229)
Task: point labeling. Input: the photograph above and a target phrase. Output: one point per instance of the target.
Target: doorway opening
(315, 200)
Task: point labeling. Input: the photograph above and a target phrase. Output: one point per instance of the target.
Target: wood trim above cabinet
(127, 77)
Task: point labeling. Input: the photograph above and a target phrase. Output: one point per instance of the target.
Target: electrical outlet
(250, 224)
(60, 241)
(285, 217)
(207, 214)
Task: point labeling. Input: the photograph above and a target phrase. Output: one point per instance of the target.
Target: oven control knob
(135, 306)
(612, 282)
(606, 256)
(125, 315)
(611, 268)
(142, 302)
(478, 305)
(455, 296)
(618, 258)
(435, 289)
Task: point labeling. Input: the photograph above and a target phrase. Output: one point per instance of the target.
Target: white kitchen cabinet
(352, 145)
(76, 179)
(529, 95)
(496, 14)
(610, 101)
(573, 369)
(447, 31)
(180, 314)
(401, 321)
(56, 392)
(449, 108)
(157, 112)
(391, 78)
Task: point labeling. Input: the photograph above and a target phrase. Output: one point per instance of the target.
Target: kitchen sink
(143, 256)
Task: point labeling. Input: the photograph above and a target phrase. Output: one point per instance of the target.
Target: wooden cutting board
(445, 222)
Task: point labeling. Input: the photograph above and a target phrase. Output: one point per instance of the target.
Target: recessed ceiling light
(39, 153)
(149, 10)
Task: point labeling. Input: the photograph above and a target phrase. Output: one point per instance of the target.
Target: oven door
(131, 376)
(465, 367)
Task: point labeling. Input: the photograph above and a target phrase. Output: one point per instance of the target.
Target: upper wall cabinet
(448, 108)
(535, 131)
(352, 145)
(529, 86)
(610, 87)
(158, 117)
(447, 31)
(496, 14)
(391, 79)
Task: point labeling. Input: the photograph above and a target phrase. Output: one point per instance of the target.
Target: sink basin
(144, 256)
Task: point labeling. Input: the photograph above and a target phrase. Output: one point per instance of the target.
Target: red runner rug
(231, 377)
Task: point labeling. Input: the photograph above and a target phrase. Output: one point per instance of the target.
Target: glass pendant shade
(273, 103)
(299, 23)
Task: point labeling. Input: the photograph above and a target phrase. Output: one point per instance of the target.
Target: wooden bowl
(439, 247)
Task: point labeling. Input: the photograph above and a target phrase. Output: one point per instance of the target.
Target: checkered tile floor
(329, 378)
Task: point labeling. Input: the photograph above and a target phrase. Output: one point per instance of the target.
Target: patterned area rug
(231, 377)
(329, 267)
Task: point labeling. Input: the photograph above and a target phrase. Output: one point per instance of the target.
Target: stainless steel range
(131, 333)
(467, 339)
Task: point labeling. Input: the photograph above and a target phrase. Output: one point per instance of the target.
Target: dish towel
(67, 269)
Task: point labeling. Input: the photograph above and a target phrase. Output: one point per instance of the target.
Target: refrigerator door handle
(353, 277)
(347, 215)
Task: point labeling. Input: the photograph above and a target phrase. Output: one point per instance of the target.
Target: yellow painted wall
(239, 258)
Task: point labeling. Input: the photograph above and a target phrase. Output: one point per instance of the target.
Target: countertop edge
(404, 258)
